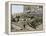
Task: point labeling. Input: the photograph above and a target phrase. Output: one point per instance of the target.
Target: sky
(17, 8)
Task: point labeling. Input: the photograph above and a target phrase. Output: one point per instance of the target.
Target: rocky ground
(26, 22)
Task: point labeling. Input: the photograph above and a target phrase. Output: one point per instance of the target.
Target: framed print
(24, 17)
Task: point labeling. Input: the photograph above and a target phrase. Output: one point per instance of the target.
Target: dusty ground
(20, 28)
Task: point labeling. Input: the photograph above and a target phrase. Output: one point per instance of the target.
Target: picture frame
(8, 12)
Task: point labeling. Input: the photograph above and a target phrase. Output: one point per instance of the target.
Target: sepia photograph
(26, 18)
